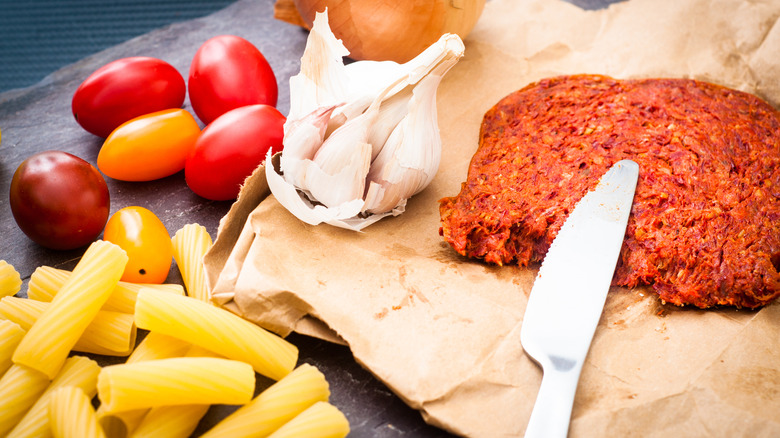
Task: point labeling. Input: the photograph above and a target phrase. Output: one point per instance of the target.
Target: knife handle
(552, 409)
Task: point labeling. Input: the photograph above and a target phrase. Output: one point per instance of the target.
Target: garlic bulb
(359, 139)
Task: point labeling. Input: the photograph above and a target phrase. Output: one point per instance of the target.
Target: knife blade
(568, 295)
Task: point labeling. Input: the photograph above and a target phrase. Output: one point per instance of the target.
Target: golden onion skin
(393, 30)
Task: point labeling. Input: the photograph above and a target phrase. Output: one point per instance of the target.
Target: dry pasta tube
(170, 421)
(165, 382)
(11, 335)
(217, 330)
(158, 346)
(120, 424)
(46, 281)
(49, 341)
(20, 387)
(79, 372)
(154, 346)
(71, 414)
(275, 406)
(190, 244)
(109, 333)
(321, 420)
(173, 421)
(10, 280)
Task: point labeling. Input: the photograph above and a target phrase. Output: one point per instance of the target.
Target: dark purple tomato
(59, 200)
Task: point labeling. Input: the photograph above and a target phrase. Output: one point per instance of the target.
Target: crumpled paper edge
(224, 260)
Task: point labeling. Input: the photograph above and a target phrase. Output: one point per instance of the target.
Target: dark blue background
(38, 37)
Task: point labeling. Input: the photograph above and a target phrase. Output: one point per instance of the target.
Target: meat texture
(704, 229)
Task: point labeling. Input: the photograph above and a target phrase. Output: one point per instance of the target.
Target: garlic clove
(340, 166)
(303, 138)
(410, 157)
(301, 206)
(391, 112)
(371, 78)
(345, 184)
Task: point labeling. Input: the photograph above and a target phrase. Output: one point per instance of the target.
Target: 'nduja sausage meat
(705, 225)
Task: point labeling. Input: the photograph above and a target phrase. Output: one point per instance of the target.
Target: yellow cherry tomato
(145, 239)
(149, 147)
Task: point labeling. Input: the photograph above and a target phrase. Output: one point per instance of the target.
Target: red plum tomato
(146, 241)
(230, 149)
(228, 72)
(59, 200)
(125, 89)
(149, 147)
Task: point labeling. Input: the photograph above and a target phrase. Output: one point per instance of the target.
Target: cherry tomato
(149, 147)
(124, 89)
(230, 148)
(59, 200)
(228, 72)
(145, 240)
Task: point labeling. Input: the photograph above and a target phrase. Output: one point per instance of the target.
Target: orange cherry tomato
(145, 239)
(149, 147)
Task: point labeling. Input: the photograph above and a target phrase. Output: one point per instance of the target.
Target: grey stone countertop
(39, 118)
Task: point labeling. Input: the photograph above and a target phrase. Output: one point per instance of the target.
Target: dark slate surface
(38, 118)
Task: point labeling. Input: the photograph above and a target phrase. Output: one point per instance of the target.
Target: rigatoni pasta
(78, 371)
(217, 330)
(190, 244)
(170, 421)
(173, 421)
(109, 333)
(49, 341)
(158, 346)
(154, 346)
(120, 424)
(11, 335)
(195, 353)
(10, 280)
(275, 406)
(164, 382)
(321, 420)
(71, 414)
(20, 387)
(45, 281)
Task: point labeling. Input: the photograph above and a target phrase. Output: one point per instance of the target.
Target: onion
(392, 30)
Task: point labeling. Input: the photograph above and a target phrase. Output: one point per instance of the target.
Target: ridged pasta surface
(164, 382)
(190, 244)
(71, 414)
(78, 371)
(217, 330)
(20, 387)
(49, 341)
(276, 405)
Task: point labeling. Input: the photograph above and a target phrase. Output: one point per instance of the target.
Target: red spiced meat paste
(705, 225)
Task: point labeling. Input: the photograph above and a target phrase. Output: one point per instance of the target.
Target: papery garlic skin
(360, 139)
(322, 80)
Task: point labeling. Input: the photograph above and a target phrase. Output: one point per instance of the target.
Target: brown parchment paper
(443, 331)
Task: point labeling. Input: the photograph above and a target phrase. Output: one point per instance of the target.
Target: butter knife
(568, 294)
